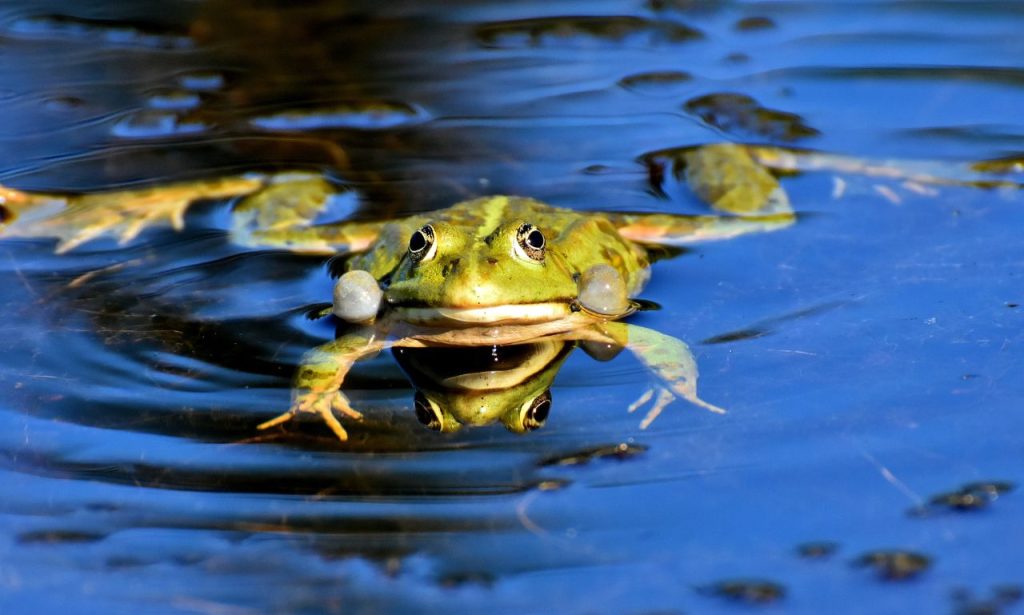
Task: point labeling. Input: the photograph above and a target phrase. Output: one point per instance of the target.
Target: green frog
(493, 271)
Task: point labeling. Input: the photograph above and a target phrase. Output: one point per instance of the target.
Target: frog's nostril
(450, 267)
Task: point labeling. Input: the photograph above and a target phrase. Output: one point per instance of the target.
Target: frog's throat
(490, 315)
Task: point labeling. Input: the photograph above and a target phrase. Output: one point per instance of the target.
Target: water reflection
(483, 385)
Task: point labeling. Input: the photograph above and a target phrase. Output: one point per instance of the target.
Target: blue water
(870, 356)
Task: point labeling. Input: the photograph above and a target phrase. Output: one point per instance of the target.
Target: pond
(870, 356)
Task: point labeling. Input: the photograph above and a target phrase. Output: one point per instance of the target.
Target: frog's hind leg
(724, 176)
(285, 214)
(77, 218)
(913, 175)
(681, 230)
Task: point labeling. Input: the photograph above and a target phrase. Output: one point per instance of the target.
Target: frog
(492, 271)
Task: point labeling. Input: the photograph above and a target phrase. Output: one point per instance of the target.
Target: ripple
(619, 452)
(376, 115)
(96, 31)
(156, 124)
(173, 100)
(202, 81)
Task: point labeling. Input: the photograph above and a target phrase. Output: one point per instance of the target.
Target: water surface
(869, 356)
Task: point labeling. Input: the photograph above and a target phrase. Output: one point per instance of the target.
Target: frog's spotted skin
(498, 270)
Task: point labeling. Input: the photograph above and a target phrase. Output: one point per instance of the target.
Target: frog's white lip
(490, 315)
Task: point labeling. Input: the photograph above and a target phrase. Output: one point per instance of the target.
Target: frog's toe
(663, 399)
(71, 241)
(332, 421)
(340, 404)
(277, 420)
(321, 404)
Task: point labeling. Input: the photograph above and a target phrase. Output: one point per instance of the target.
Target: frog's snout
(357, 297)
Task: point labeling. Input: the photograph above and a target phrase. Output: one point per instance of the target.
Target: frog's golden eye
(427, 412)
(422, 245)
(536, 412)
(530, 242)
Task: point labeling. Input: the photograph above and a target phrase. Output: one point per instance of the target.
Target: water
(870, 356)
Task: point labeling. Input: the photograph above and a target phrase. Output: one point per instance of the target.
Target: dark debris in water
(59, 537)
(554, 484)
(736, 336)
(571, 29)
(817, 550)
(769, 325)
(749, 24)
(969, 497)
(1011, 165)
(894, 564)
(998, 598)
(666, 82)
(619, 452)
(748, 591)
(463, 578)
(741, 114)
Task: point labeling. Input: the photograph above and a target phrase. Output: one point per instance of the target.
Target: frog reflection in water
(498, 270)
(459, 386)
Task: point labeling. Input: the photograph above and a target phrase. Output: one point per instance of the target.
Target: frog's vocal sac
(492, 271)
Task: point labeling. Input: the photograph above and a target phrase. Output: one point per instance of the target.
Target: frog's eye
(422, 245)
(535, 412)
(427, 412)
(530, 242)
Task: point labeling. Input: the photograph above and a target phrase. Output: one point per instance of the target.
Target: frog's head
(520, 410)
(501, 275)
(481, 385)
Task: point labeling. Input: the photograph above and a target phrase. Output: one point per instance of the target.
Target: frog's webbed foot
(662, 398)
(285, 215)
(77, 218)
(317, 387)
(321, 403)
(668, 358)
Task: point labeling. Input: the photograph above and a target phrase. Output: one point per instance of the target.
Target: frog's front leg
(317, 387)
(667, 357)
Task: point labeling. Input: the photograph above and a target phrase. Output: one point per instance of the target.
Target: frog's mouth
(509, 314)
